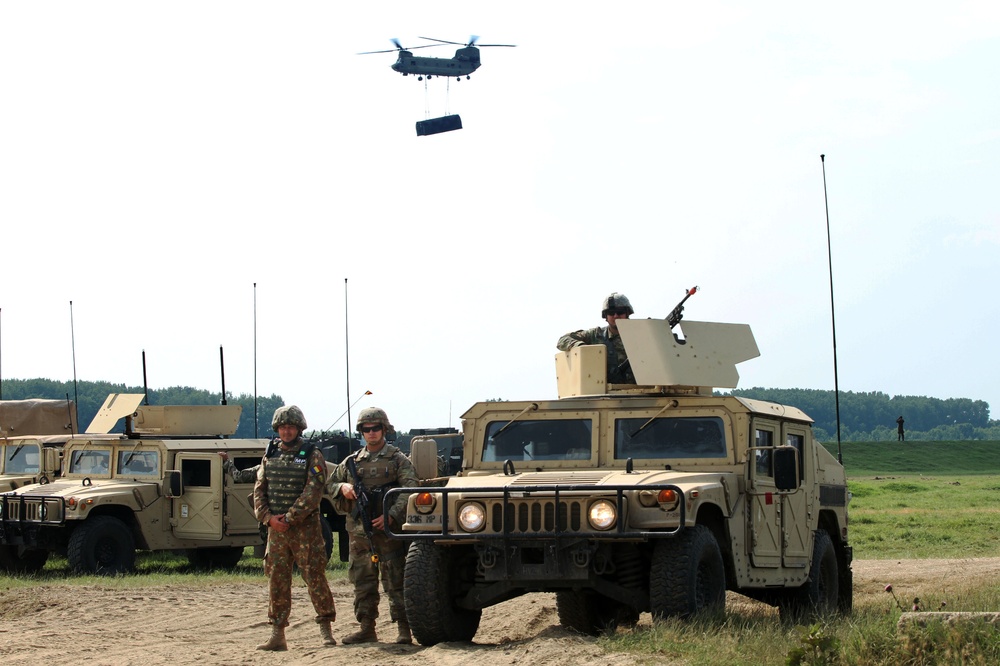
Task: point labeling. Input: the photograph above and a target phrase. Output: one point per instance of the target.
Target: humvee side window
(566, 439)
(138, 463)
(798, 441)
(90, 461)
(22, 459)
(687, 437)
(764, 462)
(196, 473)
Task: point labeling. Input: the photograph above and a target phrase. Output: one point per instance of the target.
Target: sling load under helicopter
(465, 62)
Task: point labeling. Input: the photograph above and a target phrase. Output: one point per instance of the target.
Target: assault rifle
(362, 506)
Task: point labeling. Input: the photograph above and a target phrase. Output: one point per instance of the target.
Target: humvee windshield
(567, 439)
(686, 437)
(138, 463)
(22, 458)
(90, 461)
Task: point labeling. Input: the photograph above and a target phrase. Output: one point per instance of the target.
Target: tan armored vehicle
(655, 497)
(32, 435)
(158, 486)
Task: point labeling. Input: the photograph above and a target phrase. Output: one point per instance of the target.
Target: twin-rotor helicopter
(465, 62)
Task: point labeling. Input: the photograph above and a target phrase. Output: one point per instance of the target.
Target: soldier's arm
(248, 475)
(261, 507)
(308, 502)
(338, 477)
(406, 476)
(577, 338)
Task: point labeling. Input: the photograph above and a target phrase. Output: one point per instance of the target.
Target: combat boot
(277, 642)
(326, 634)
(365, 635)
(404, 637)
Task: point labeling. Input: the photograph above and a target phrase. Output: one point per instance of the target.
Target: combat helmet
(374, 415)
(288, 414)
(616, 301)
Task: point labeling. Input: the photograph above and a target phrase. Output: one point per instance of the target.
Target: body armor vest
(378, 474)
(286, 473)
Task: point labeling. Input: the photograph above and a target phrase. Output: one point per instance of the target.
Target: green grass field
(923, 499)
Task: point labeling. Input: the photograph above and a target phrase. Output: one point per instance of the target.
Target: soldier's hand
(278, 523)
(347, 490)
(378, 523)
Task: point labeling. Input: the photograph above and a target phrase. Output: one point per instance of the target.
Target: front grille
(33, 509)
(532, 516)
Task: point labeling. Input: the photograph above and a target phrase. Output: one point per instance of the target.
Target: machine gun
(677, 313)
(624, 368)
(362, 506)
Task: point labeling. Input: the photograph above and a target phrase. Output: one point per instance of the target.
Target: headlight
(472, 517)
(602, 515)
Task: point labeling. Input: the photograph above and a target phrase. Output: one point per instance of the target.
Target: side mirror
(786, 468)
(172, 484)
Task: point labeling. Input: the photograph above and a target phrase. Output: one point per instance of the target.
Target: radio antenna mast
(833, 315)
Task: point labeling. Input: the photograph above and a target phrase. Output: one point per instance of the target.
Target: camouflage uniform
(615, 351)
(387, 468)
(289, 484)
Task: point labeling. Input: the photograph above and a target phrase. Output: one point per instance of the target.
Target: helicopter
(465, 62)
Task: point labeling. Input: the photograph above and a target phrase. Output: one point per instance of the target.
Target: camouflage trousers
(301, 545)
(364, 574)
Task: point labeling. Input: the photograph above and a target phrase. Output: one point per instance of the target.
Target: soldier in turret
(286, 498)
(379, 466)
(615, 307)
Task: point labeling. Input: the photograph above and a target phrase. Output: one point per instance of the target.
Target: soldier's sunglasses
(368, 429)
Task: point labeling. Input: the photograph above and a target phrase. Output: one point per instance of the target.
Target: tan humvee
(158, 486)
(32, 434)
(622, 499)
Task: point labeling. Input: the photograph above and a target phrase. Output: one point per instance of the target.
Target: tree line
(871, 416)
(864, 416)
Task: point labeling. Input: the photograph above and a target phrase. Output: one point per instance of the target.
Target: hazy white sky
(159, 158)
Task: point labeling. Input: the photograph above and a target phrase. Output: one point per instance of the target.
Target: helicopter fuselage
(465, 62)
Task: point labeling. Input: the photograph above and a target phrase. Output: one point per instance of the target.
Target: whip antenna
(255, 360)
(72, 339)
(833, 316)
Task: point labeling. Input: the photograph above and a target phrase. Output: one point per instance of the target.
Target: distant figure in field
(900, 436)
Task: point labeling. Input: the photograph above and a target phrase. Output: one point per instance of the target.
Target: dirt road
(186, 625)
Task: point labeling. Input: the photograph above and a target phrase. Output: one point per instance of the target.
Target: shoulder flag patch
(317, 469)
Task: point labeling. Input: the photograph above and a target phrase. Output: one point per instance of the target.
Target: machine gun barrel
(362, 506)
(677, 313)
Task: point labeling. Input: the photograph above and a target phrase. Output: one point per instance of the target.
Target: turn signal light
(425, 502)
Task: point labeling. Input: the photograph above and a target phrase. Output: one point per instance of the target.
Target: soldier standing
(380, 466)
(615, 307)
(900, 436)
(286, 498)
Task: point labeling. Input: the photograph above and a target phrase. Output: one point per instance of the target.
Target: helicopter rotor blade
(480, 45)
(443, 41)
(398, 49)
(472, 40)
(395, 41)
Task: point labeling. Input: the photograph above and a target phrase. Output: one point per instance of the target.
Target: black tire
(818, 596)
(845, 600)
(430, 584)
(15, 559)
(687, 575)
(102, 545)
(593, 614)
(218, 557)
